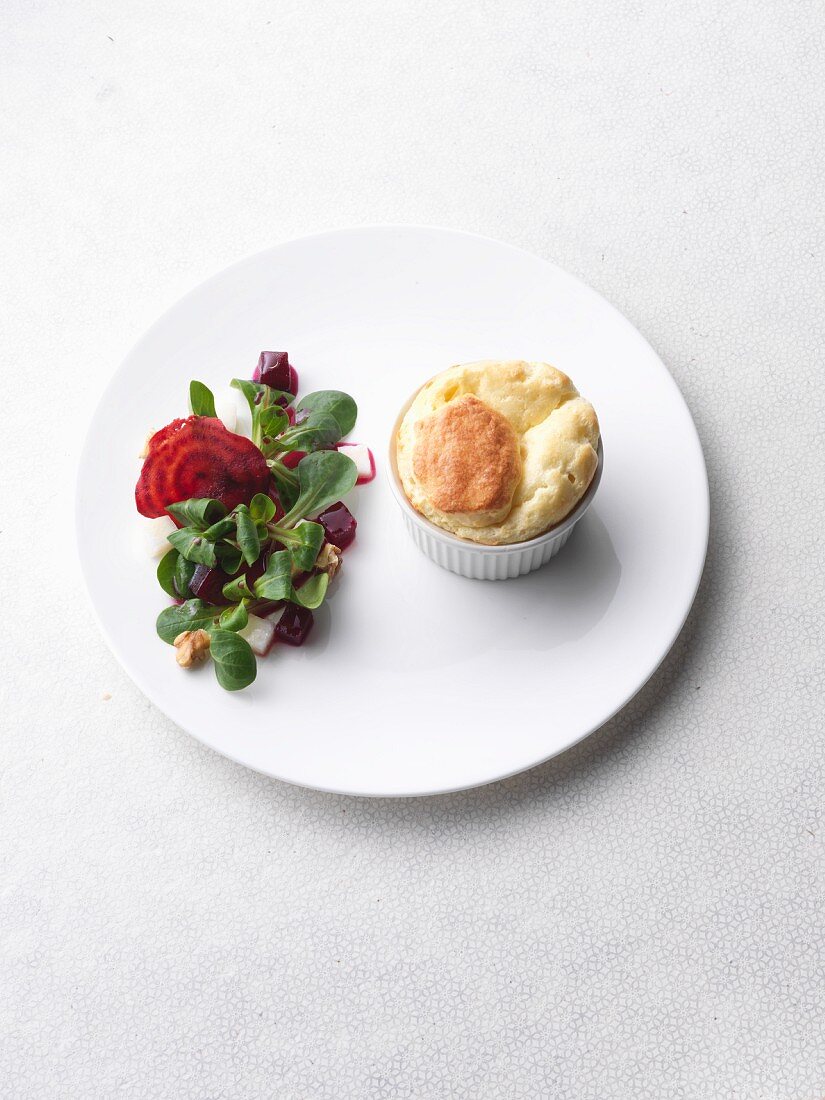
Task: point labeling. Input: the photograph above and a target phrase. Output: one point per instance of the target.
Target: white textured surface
(644, 916)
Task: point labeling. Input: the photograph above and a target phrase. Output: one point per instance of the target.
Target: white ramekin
(472, 559)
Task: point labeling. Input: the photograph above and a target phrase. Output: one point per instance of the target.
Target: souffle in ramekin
(497, 452)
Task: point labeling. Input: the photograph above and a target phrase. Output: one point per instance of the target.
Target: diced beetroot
(339, 525)
(207, 585)
(274, 369)
(294, 625)
(292, 458)
(198, 457)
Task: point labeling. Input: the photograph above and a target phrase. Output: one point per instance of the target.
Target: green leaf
(234, 618)
(262, 508)
(323, 478)
(254, 392)
(233, 659)
(310, 538)
(237, 590)
(166, 572)
(190, 542)
(318, 430)
(260, 396)
(201, 401)
(248, 539)
(272, 422)
(276, 582)
(192, 615)
(336, 404)
(219, 529)
(286, 482)
(184, 573)
(311, 594)
(260, 399)
(229, 557)
(257, 397)
(303, 543)
(198, 512)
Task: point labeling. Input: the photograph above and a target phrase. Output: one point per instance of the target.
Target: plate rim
(374, 228)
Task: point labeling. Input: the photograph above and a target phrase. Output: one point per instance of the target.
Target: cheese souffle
(497, 452)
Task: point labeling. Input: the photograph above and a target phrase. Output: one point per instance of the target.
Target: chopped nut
(192, 647)
(328, 560)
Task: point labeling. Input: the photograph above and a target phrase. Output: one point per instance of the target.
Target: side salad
(256, 526)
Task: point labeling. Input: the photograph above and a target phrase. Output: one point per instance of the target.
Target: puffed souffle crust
(497, 452)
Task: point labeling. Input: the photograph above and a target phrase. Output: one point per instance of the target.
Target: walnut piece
(192, 647)
(328, 560)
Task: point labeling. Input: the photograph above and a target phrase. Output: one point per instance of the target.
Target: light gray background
(640, 918)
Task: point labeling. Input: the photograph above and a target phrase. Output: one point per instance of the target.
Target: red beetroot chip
(198, 457)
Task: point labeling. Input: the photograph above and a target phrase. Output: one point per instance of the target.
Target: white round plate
(414, 681)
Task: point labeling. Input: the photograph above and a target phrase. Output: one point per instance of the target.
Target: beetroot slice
(198, 457)
(164, 433)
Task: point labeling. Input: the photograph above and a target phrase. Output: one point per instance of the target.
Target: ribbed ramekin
(472, 559)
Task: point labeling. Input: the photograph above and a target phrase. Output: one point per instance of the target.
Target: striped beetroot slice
(199, 457)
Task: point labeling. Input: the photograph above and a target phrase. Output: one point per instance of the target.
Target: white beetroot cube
(360, 455)
(258, 632)
(155, 534)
